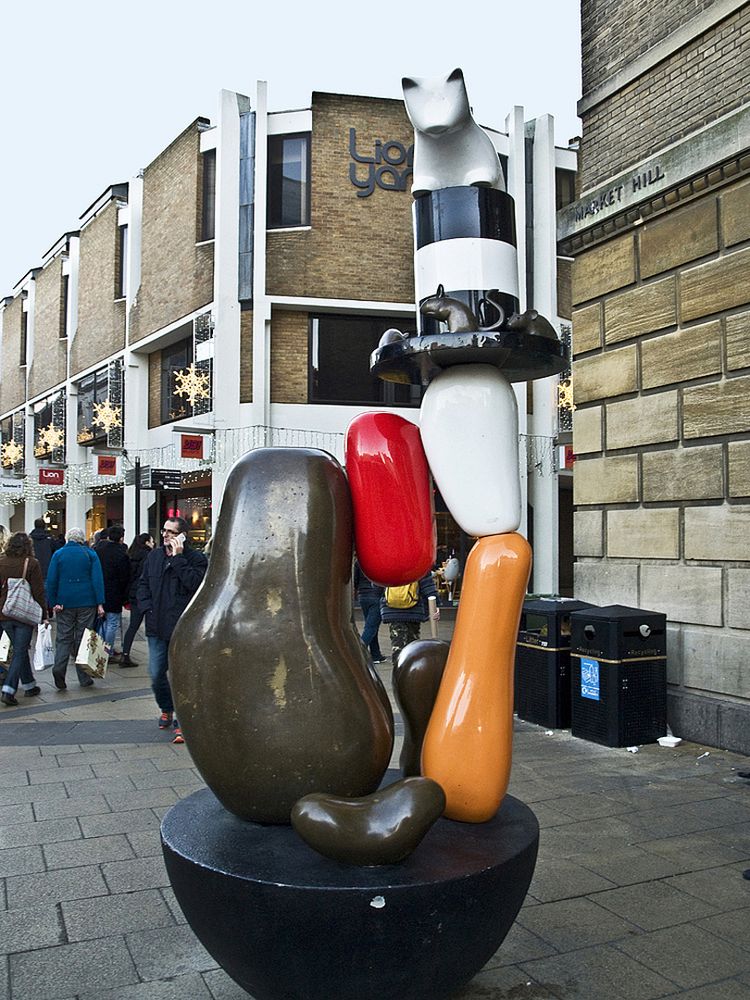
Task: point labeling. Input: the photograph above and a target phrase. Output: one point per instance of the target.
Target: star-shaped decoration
(12, 452)
(192, 383)
(565, 395)
(106, 416)
(49, 438)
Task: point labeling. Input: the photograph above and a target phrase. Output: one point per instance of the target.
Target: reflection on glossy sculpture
(378, 829)
(278, 698)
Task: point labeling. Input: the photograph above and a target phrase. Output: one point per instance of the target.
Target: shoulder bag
(19, 603)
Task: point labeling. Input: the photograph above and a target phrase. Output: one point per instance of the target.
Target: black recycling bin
(618, 659)
(542, 674)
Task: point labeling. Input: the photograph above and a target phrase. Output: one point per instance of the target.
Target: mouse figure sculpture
(450, 149)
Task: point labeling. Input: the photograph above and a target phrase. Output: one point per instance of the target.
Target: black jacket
(166, 586)
(116, 572)
(44, 545)
(137, 562)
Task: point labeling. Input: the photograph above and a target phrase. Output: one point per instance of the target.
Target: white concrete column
(135, 433)
(517, 189)
(75, 505)
(261, 407)
(543, 485)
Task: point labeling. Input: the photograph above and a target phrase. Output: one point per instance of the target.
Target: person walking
(116, 572)
(44, 545)
(75, 591)
(404, 621)
(15, 563)
(369, 595)
(137, 554)
(171, 575)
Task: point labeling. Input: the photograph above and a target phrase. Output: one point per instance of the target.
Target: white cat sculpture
(450, 149)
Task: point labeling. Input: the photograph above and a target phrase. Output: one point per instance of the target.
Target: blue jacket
(74, 577)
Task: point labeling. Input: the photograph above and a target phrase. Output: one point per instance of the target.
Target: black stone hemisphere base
(286, 923)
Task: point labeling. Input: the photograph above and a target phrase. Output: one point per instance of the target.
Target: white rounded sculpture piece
(450, 149)
(469, 427)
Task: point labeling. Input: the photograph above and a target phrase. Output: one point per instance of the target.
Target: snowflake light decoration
(106, 416)
(11, 453)
(49, 438)
(565, 395)
(191, 383)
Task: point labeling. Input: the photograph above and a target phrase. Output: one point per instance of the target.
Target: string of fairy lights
(228, 444)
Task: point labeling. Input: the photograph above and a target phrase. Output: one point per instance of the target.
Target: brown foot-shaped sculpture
(378, 829)
(416, 679)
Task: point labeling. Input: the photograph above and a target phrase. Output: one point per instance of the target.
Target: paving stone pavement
(638, 891)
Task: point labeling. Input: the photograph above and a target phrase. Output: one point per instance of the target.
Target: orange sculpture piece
(469, 741)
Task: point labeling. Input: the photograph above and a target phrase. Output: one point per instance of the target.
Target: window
(565, 188)
(122, 262)
(208, 201)
(64, 295)
(288, 181)
(175, 358)
(91, 390)
(340, 348)
(24, 338)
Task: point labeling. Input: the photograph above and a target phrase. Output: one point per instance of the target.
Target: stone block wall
(101, 315)
(661, 432)
(176, 269)
(707, 77)
(49, 365)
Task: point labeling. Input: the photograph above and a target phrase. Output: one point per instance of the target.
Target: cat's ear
(408, 84)
(457, 74)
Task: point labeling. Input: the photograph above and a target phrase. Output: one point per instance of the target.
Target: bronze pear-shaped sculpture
(271, 683)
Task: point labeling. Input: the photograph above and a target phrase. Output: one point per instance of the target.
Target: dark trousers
(136, 617)
(71, 624)
(371, 611)
(20, 665)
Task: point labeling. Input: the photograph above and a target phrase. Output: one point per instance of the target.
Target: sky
(90, 93)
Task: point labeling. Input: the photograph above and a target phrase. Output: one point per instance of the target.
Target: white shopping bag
(6, 648)
(92, 654)
(44, 653)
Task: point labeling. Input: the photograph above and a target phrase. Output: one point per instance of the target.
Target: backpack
(402, 597)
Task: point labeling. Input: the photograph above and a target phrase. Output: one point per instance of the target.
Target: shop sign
(52, 477)
(191, 446)
(388, 167)
(570, 457)
(106, 465)
(14, 486)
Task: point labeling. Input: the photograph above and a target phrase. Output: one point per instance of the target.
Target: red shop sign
(191, 446)
(570, 457)
(52, 477)
(106, 465)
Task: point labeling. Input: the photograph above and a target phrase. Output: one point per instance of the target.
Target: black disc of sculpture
(285, 922)
(519, 354)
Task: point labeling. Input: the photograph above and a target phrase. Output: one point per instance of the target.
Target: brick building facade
(231, 293)
(661, 327)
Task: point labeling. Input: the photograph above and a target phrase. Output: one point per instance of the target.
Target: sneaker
(8, 699)
(178, 737)
(165, 720)
(381, 659)
(126, 661)
(32, 692)
(59, 682)
(87, 683)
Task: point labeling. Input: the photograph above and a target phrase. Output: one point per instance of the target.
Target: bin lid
(553, 604)
(617, 611)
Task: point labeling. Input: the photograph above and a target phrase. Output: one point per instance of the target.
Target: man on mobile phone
(172, 573)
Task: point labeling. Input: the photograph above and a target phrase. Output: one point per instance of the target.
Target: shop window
(565, 188)
(340, 348)
(64, 296)
(174, 359)
(288, 181)
(24, 338)
(92, 390)
(208, 200)
(122, 263)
